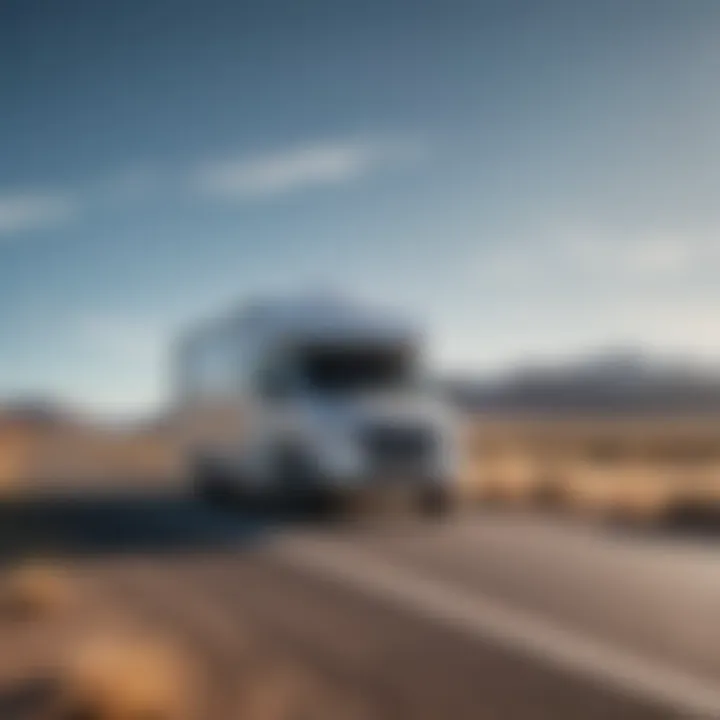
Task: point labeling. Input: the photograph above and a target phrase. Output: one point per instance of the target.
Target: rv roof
(322, 316)
(306, 318)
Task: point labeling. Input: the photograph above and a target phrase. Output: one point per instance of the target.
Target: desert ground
(123, 597)
(635, 469)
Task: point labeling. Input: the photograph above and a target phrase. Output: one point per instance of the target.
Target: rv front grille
(399, 449)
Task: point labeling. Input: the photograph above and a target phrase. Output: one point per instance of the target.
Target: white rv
(334, 403)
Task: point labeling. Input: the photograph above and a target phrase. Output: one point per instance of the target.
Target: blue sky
(532, 178)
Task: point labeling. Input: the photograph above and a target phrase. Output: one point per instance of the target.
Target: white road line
(641, 677)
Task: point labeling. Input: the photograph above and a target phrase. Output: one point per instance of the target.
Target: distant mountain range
(36, 412)
(626, 381)
(606, 382)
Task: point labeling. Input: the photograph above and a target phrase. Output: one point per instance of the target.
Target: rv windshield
(356, 368)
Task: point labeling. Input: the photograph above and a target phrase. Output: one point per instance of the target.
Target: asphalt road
(484, 616)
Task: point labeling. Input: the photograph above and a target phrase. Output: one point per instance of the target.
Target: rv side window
(273, 383)
(208, 369)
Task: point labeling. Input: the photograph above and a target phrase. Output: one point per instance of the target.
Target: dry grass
(16, 447)
(36, 589)
(125, 676)
(69, 455)
(132, 677)
(636, 469)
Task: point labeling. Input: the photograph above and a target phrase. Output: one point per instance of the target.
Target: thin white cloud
(681, 323)
(662, 254)
(310, 165)
(323, 163)
(32, 210)
(649, 254)
(553, 253)
(571, 287)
